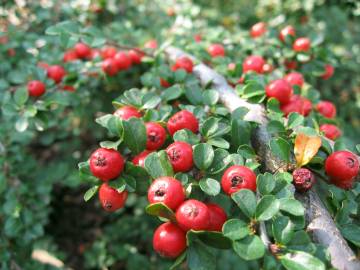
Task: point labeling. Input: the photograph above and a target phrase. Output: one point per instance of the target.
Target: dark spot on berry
(160, 192)
(174, 155)
(192, 211)
(236, 180)
(350, 162)
(100, 161)
(107, 205)
(153, 137)
(176, 118)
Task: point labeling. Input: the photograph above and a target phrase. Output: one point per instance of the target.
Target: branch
(322, 226)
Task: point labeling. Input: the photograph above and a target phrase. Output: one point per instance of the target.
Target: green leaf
(220, 161)
(209, 126)
(185, 135)
(283, 230)
(265, 183)
(210, 238)
(200, 257)
(219, 142)
(203, 154)
(239, 113)
(110, 144)
(240, 132)
(90, 193)
(267, 207)
(246, 200)
(249, 248)
(135, 135)
(292, 206)
(150, 101)
(158, 164)
(119, 184)
(21, 95)
(140, 175)
(299, 260)
(210, 186)
(235, 229)
(246, 151)
(295, 120)
(210, 97)
(358, 148)
(275, 126)
(160, 210)
(179, 260)
(352, 233)
(172, 93)
(339, 146)
(280, 148)
(22, 124)
(111, 123)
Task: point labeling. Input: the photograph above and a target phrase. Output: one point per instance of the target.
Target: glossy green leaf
(158, 164)
(210, 186)
(135, 134)
(203, 155)
(235, 229)
(267, 207)
(246, 200)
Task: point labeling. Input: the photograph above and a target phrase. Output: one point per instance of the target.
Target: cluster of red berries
(184, 63)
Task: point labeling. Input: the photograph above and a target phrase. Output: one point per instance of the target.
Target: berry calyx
(342, 167)
(139, 159)
(166, 190)
(169, 240)
(302, 44)
(181, 120)
(295, 78)
(288, 30)
(111, 199)
(216, 50)
(193, 215)
(258, 29)
(279, 89)
(303, 179)
(70, 56)
(122, 60)
(156, 136)
(36, 88)
(217, 217)
(82, 50)
(56, 73)
(106, 164)
(253, 63)
(326, 108)
(331, 132)
(329, 72)
(183, 63)
(238, 177)
(181, 156)
(110, 67)
(297, 104)
(126, 112)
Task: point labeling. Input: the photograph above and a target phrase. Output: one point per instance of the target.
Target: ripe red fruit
(95, 53)
(181, 120)
(108, 52)
(181, 156)
(326, 108)
(69, 56)
(216, 50)
(217, 217)
(329, 72)
(122, 60)
(156, 135)
(258, 29)
(164, 83)
(287, 30)
(302, 44)
(111, 199)
(295, 78)
(279, 89)
(110, 67)
(166, 190)
(331, 132)
(231, 66)
(139, 159)
(253, 63)
(136, 56)
(297, 104)
(169, 240)
(342, 167)
(193, 215)
(197, 37)
(106, 164)
(238, 177)
(303, 179)
(290, 64)
(151, 44)
(82, 50)
(127, 112)
(36, 88)
(56, 73)
(69, 88)
(183, 63)
(267, 68)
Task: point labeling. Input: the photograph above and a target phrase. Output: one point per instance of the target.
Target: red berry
(164, 83)
(295, 78)
(326, 108)
(136, 56)
(82, 50)
(303, 179)
(302, 44)
(193, 215)
(342, 167)
(279, 89)
(151, 44)
(122, 60)
(287, 30)
(231, 66)
(56, 73)
(169, 240)
(108, 52)
(253, 63)
(238, 177)
(69, 56)
(43, 65)
(267, 68)
(297, 104)
(110, 67)
(95, 53)
(69, 88)
(217, 217)
(166, 190)
(127, 112)
(36, 88)
(106, 164)
(329, 72)
(290, 64)
(139, 159)
(216, 50)
(111, 199)
(331, 132)
(183, 63)
(181, 156)
(156, 136)
(181, 120)
(197, 37)
(258, 29)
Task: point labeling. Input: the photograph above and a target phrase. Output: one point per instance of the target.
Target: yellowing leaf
(306, 148)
